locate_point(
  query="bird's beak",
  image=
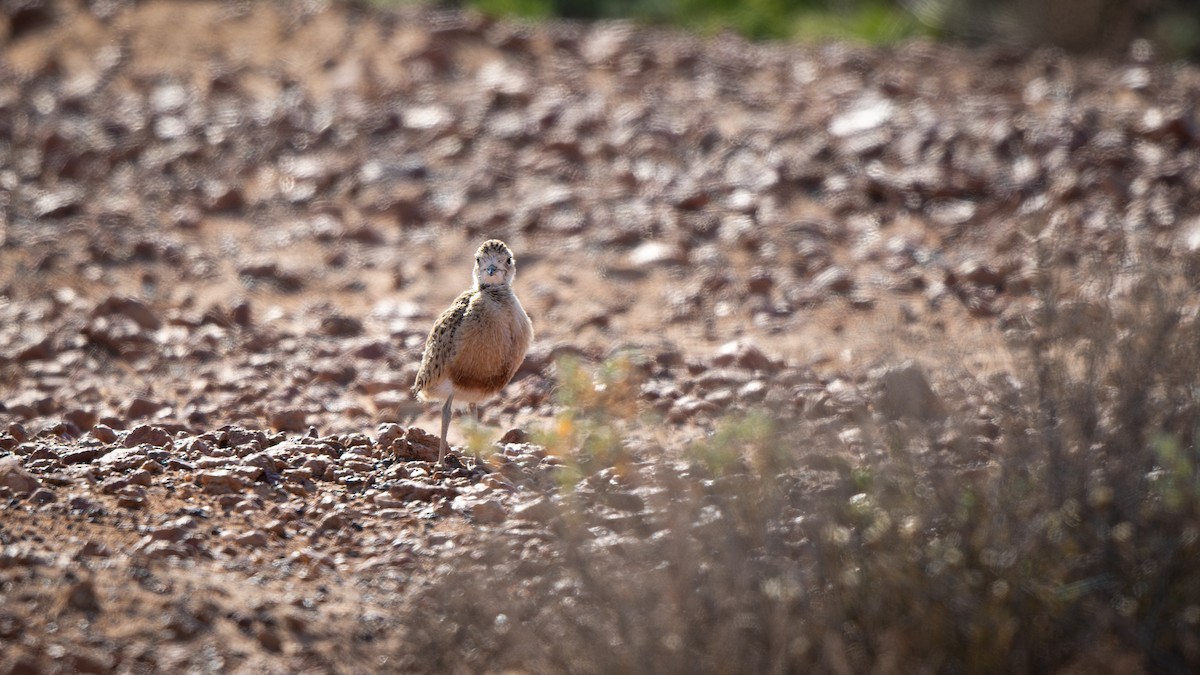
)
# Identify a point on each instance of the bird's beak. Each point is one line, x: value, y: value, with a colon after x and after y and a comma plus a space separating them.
x: 491, y: 270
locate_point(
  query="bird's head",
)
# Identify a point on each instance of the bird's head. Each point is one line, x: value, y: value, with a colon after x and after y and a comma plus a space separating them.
x: 494, y: 264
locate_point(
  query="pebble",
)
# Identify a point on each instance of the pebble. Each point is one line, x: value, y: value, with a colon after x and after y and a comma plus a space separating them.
x: 80, y: 456
x: 538, y: 510
x: 43, y: 496
x: 131, y: 497
x: 220, y: 481
x: 103, y: 434
x: 291, y: 419
x: 93, y: 549
x: 122, y: 459
x: 14, y: 476
x: 833, y: 279
x: 904, y: 391
x: 81, y: 596
x: 141, y: 408
x: 253, y: 539
x: 488, y: 512
x: 744, y: 354
x: 405, y: 490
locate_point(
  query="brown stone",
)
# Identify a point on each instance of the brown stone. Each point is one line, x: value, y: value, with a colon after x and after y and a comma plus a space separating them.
x: 151, y: 435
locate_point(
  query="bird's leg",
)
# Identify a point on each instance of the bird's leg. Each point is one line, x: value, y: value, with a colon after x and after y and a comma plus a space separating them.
x: 445, y: 427
x: 474, y: 410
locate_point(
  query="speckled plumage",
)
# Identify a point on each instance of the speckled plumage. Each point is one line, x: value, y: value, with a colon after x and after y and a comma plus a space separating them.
x: 476, y: 346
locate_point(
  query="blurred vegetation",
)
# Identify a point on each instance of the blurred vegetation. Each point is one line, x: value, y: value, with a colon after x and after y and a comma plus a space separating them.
x: 872, y: 20
x: 768, y: 547
x: 1093, y: 26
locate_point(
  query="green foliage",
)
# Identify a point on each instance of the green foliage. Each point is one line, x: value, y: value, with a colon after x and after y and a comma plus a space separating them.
x: 1107, y: 26
x: 528, y: 9
x: 867, y: 20
x: 736, y: 441
x: 596, y: 407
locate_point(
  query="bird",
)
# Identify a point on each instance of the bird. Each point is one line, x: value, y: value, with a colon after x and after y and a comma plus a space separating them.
x: 476, y: 345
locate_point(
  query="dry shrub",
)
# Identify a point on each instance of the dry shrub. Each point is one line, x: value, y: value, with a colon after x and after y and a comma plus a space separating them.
x: 1070, y: 547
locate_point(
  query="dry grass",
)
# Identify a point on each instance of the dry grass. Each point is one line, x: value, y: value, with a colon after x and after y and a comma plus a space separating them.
x: 1066, y: 542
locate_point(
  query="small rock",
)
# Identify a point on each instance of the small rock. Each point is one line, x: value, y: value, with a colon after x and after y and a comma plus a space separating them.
x: 540, y: 510
x: 717, y: 378
x: 861, y: 300
x: 171, y: 532
x: 81, y: 503
x: 140, y: 407
x: 158, y: 550
x: 131, y: 497
x: 152, y: 467
x: 389, y: 432
x: 238, y: 436
x: 833, y: 279
x: 42, y: 496
x: 332, y: 522
x: 952, y: 211
x: 104, y: 433
x: 753, y: 391
x: 14, y: 476
x: 979, y: 274
x: 269, y: 638
x: 624, y: 501
x: 410, y: 490
x: 83, y: 660
x: 83, y: 419
x: 385, y: 501
x: 689, y: 406
x: 144, y: 433
x: 285, y: 280
x: 42, y: 452
x: 515, y: 435
x: 290, y: 419
x: 114, y: 485
x: 418, y: 444
x: 11, y: 625
x: 340, y: 325
x: 142, y: 315
x: 219, y: 481
x: 93, y: 549
x: 25, y: 665
x: 18, y: 432
x: 654, y: 253
x: 264, y: 461
x: 488, y: 512
x: 867, y: 113
x: 122, y: 459
x: 253, y: 538
x: 904, y: 391
x: 760, y: 282
x: 113, y: 421
x: 80, y: 456
x: 82, y: 596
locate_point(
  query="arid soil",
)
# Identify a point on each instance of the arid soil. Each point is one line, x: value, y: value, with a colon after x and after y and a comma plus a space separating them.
x: 225, y: 229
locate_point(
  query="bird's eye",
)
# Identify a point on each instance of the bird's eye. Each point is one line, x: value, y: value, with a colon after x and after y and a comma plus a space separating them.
x: 510, y: 260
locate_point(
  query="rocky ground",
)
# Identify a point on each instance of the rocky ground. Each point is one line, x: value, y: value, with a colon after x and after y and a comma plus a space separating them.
x: 227, y: 227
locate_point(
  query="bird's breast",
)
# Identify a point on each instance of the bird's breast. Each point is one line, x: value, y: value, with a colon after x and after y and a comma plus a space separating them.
x: 492, y: 341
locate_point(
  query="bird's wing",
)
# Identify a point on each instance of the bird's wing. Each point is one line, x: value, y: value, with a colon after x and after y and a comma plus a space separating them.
x: 440, y: 344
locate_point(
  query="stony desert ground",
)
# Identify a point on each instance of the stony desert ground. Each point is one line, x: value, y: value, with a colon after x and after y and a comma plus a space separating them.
x: 226, y: 228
